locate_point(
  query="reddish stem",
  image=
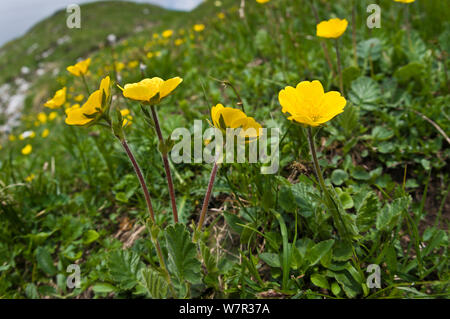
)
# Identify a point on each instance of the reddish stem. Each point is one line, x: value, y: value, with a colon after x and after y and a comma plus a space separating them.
x: 207, y: 196
x: 138, y: 171
x: 166, y: 165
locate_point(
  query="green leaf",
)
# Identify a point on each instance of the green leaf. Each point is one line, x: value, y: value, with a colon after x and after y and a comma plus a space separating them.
x: 360, y: 173
x: 286, y: 199
x: 380, y: 133
x: 350, y: 74
x: 409, y: 72
x: 286, y: 256
x: 367, y: 211
x: 233, y: 221
x: 124, y: 267
x: 45, y: 261
x: 318, y: 251
x: 273, y: 260
x: 370, y: 48
x: 342, y: 251
x: 346, y: 200
x: 31, y: 291
x: 90, y: 236
x: 365, y: 93
x: 339, y: 176
x: 103, y: 287
x: 320, y: 281
x: 154, y: 284
x: 182, y: 254
x: 386, y: 147
x: 335, y: 288
x: 390, y: 213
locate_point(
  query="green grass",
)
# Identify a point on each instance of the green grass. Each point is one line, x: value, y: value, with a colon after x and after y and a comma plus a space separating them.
x: 384, y: 160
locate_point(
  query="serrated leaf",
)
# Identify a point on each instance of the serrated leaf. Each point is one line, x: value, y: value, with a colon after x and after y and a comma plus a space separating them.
x: 182, y: 254
x: 388, y: 216
x: 154, y: 284
x: 31, y: 291
x: 367, y: 211
x: 124, y: 267
x: 370, y: 48
x: 365, y: 93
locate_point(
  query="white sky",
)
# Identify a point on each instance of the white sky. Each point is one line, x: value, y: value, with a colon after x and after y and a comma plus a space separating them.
x: 18, y: 16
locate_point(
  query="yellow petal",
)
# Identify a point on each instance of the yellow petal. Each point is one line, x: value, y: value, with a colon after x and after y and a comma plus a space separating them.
x: 143, y: 90
x: 93, y: 104
x: 76, y: 117
x: 168, y: 86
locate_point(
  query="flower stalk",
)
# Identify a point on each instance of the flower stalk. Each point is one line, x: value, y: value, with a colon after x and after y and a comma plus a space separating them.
x: 166, y: 164
x: 138, y: 171
x: 339, y: 66
x: 148, y: 200
x: 342, y: 229
x: 206, y: 200
x: 85, y: 84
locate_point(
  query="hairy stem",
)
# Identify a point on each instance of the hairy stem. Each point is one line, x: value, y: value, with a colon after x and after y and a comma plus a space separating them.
x: 166, y: 165
x: 338, y: 220
x: 322, y: 43
x: 138, y: 171
x: 339, y: 66
x: 85, y: 84
x: 207, y: 199
x: 148, y: 200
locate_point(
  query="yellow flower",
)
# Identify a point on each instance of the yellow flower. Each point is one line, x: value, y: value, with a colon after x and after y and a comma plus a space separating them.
x: 87, y: 113
x: 119, y: 66
x: 150, y: 55
x: 331, y: 29
x: 80, y: 68
x: 167, y: 34
x: 127, y: 120
x: 262, y: 1
x: 309, y: 104
x: 79, y: 98
x: 125, y: 112
x: 147, y: 90
x: 179, y: 42
x: 45, y: 133
x: 27, y: 149
x: 405, y: 1
x: 199, y: 27
x: 58, y: 99
x: 53, y: 115
x: 221, y: 15
x: 228, y: 117
x: 11, y: 138
x: 133, y: 64
x: 30, y: 178
x: 42, y: 117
